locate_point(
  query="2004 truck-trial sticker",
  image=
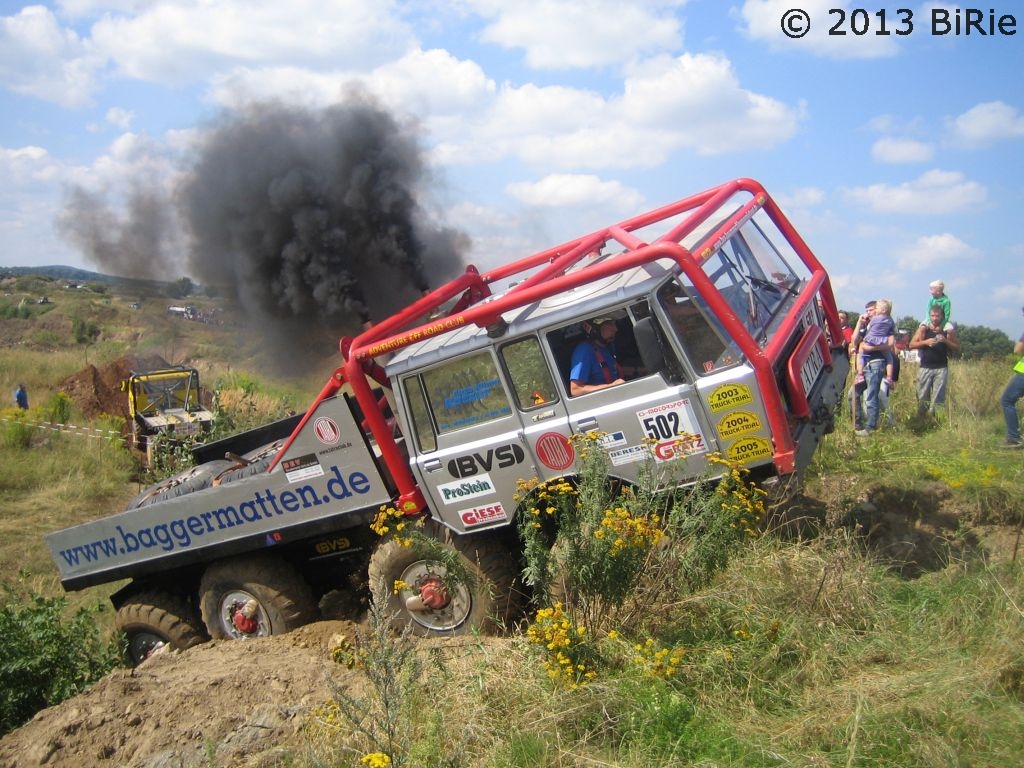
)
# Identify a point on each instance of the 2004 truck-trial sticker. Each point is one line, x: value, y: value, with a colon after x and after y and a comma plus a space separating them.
x: 673, y: 429
x: 738, y: 423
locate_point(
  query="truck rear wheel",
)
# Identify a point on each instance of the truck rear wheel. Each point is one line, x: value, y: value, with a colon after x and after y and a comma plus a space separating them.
x: 254, y: 597
x: 153, y: 619
x: 427, y: 605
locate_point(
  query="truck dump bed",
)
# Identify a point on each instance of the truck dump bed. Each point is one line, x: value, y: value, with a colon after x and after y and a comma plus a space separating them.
x: 327, y: 471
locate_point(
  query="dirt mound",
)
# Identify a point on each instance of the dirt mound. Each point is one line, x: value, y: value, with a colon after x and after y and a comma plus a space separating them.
x: 226, y: 703
x: 95, y: 391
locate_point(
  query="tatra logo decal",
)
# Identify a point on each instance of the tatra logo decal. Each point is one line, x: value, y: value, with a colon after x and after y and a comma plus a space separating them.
x: 326, y: 430
x: 501, y: 457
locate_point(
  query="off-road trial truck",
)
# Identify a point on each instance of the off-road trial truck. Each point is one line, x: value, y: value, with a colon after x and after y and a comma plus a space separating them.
x: 727, y: 316
x: 165, y: 401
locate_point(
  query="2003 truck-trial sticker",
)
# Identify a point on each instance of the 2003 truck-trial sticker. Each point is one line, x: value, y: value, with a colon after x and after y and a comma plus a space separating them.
x: 729, y: 396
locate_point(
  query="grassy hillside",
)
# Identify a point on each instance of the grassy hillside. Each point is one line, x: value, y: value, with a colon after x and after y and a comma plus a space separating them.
x: 878, y: 621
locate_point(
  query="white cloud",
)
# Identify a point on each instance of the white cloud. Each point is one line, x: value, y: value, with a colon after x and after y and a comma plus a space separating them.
x: 186, y: 41
x: 901, y: 151
x: 38, y: 58
x: 987, y: 123
x: 120, y: 118
x: 763, y: 21
x: 1007, y: 301
x: 692, y: 102
x: 935, y: 192
x: 803, y: 197
x: 561, y: 190
x: 26, y: 166
x: 583, y: 34
x: 933, y: 250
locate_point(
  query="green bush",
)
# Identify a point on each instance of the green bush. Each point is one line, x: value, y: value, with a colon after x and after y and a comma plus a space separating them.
x: 46, y: 655
x: 15, y: 433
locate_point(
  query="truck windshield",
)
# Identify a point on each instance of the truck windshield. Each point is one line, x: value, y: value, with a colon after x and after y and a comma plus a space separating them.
x: 753, y: 276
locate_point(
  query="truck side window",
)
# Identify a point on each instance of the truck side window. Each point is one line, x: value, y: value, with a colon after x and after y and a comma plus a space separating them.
x: 465, y: 392
x: 702, y: 343
x: 426, y: 438
x: 529, y: 373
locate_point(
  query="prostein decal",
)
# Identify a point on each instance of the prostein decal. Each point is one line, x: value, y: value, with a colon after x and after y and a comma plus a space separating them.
x: 457, y: 492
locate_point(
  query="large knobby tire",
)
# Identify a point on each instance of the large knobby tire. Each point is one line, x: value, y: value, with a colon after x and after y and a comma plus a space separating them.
x: 486, y: 605
x: 188, y: 481
x: 254, y: 596
x: 153, y: 619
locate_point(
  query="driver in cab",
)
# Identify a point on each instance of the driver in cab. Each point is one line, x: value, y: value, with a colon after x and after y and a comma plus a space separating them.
x: 594, y: 365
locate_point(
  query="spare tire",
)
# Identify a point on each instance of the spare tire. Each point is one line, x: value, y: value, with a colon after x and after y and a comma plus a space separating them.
x: 188, y: 481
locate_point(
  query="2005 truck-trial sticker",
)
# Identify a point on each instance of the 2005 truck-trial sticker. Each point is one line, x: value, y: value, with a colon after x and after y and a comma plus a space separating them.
x: 748, y: 449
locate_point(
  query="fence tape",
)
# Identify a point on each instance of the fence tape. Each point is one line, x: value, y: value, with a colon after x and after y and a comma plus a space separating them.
x: 70, y: 429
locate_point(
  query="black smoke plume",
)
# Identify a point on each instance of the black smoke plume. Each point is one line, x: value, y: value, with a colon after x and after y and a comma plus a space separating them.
x: 312, y: 220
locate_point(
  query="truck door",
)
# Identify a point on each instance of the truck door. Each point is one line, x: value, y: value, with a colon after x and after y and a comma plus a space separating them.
x: 470, y: 451
x: 540, y: 407
x: 655, y: 414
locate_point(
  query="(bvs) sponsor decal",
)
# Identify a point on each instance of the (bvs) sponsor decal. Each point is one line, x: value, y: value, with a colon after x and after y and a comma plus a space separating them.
x: 481, y: 515
x: 452, y: 493
x: 501, y: 457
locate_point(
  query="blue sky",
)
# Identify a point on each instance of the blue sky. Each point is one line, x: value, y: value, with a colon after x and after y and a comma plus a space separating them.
x: 898, y: 157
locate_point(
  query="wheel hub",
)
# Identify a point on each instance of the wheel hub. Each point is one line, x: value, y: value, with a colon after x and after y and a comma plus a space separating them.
x: 429, y: 601
x: 244, y: 617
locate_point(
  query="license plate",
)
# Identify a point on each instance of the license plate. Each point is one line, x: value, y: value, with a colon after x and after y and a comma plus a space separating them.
x: 811, y: 368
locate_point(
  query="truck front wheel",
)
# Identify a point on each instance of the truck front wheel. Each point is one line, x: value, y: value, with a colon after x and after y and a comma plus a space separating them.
x: 418, y: 592
x: 153, y: 619
x: 254, y: 597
